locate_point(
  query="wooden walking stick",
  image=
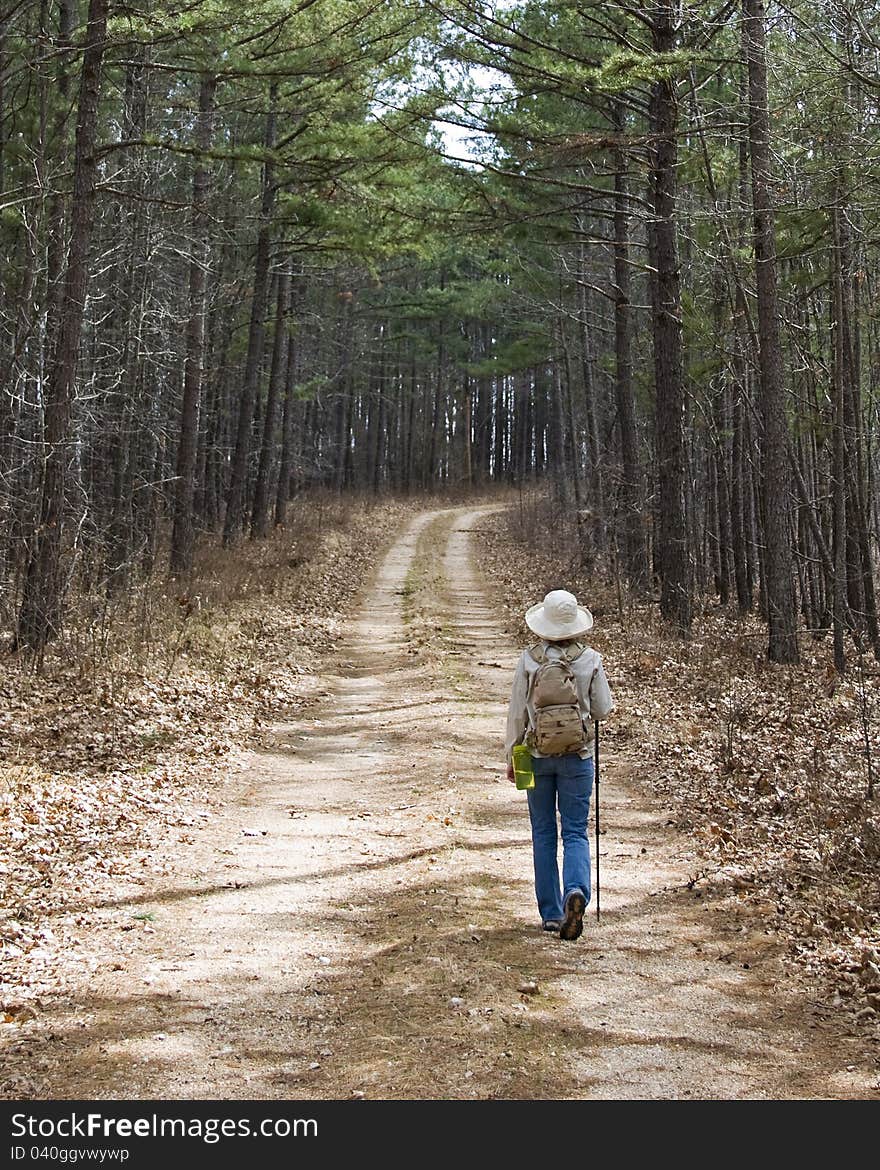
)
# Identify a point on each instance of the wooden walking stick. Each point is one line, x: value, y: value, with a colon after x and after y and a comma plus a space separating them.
x: 596, y: 769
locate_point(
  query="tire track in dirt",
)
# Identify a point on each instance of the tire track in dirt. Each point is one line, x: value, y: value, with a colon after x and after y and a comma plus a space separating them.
x: 360, y: 919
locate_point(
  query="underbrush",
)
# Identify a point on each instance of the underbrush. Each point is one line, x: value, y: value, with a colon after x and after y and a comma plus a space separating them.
x: 766, y: 767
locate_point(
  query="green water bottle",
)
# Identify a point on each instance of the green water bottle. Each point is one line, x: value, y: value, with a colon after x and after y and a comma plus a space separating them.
x: 522, y: 767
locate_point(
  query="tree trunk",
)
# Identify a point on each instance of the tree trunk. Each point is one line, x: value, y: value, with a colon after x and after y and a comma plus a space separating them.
x: 672, y: 534
x: 557, y: 460
x: 285, y: 470
x: 59, y: 146
x: 467, y: 430
x: 235, y: 498
x: 40, y: 615
x: 277, y: 373
x: 378, y: 411
x: 839, y: 541
x: 634, y: 551
x: 573, y: 447
x: 183, y: 530
x: 344, y: 394
x: 781, y: 609
x: 501, y: 421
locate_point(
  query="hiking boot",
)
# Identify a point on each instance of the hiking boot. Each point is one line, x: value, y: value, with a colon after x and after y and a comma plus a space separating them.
x: 552, y: 924
x: 572, y: 925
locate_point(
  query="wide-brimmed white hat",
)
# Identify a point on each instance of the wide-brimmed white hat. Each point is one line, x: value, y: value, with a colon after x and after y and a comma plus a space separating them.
x: 558, y: 617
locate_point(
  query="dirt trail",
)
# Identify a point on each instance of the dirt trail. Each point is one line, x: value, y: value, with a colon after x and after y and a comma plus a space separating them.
x: 360, y: 918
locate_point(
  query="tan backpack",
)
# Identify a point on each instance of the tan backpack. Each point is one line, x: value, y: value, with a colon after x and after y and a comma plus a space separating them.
x: 559, y: 724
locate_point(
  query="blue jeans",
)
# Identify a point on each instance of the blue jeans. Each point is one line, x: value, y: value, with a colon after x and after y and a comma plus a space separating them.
x: 566, y: 782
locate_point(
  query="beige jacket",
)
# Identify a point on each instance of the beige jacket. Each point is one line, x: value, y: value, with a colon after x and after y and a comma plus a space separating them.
x: 594, y: 695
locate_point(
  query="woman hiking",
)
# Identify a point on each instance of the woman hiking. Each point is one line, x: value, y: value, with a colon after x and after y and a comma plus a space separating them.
x: 559, y: 689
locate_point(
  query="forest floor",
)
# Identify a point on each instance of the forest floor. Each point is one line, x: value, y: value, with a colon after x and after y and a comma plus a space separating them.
x: 357, y: 918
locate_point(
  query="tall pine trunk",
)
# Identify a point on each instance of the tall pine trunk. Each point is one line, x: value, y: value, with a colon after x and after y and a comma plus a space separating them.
x: 39, y: 618
x: 238, y: 481
x: 285, y: 470
x: 780, y: 599
x: 183, y: 530
x: 634, y: 551
x: 671, y: 545
x: 277, y: 373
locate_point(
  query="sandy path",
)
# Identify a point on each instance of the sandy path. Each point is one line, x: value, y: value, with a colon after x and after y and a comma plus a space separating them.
x: 360, y: 917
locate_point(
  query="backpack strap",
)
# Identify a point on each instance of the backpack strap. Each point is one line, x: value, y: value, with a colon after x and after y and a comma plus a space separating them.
x: 573, y: 650
x: 570, y: 651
